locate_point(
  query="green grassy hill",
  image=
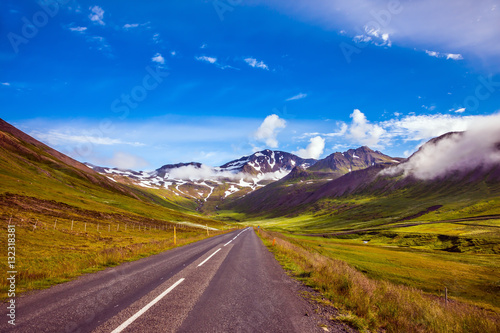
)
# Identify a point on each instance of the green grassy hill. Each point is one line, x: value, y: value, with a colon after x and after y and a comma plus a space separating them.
x: 36, y: 178
x: 71, y: 220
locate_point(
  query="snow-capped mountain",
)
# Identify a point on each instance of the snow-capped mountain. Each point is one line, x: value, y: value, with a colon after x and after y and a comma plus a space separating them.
x: 201, y: 182
x: 267, y: 163
x: 235, y: 179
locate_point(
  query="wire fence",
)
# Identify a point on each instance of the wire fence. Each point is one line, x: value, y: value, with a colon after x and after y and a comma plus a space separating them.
x: 82, y: 226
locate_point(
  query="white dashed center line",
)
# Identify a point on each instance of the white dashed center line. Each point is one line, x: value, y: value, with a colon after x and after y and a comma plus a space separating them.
x: 146, y: 308
x: 204, y: 261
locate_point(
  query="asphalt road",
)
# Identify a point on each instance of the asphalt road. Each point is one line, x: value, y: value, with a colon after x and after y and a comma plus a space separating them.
x: 227, y: 283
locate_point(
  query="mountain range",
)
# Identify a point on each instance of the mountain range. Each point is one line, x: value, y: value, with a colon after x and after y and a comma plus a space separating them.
x: 358, y: 184
x: 214, y: 186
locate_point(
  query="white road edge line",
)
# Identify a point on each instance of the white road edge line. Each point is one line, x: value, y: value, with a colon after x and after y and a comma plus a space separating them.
x: 228, y: 242
x: 204, y: 261
x: 146, y: 308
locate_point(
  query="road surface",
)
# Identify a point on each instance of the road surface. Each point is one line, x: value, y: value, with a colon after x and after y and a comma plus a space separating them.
x: 227, y: 283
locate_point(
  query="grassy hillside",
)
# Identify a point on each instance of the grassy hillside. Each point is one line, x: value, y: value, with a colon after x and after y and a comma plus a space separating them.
x: 393, y: 234
x: 361, y: 200
x: 51, y: 251
x: 376, y: 288
x: 36, y: 178
x: 71, y: 220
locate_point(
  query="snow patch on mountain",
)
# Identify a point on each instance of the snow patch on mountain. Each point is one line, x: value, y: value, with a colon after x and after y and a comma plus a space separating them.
x: 230, y: 191
x: 211, y: 190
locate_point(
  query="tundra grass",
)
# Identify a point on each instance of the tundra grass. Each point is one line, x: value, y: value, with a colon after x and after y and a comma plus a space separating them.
x: 369, y: 211
x: 375, y: 304
x: 53, y: 252
x: 468, y: 276
x: 48, y: 182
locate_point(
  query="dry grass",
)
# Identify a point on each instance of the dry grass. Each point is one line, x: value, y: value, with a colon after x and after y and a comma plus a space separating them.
x: 372, y: 305
x: 46, y: 256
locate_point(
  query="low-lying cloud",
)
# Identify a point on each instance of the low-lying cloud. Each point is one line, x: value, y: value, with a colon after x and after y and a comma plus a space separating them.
x: 127, y: 161
x: 205, y: 172
x: 477, y: 147
x: 191, y: 172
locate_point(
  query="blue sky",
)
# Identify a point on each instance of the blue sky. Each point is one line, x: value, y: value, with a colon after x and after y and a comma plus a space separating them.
x: 138, y: 85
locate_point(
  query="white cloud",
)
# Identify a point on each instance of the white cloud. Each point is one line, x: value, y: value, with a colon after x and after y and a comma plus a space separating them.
x: 424, y: 127
x: 444, y: 55
x: 410, y: 128
x: 361, y: 131
x: 78, y: 29
x: 5, y: 84
x: 96, y: 15
x: 477, y: 147
x: 160, y: 140
x: 459, y: 26
x: 191, y: 172
x: 158, y: 58
x: 123, y: 160
x: 313, y: 150
x: 296, y: 97
x: 54, y: 137
x: 156, y: 38
x: 256, y: 64
x: 341, y: 132
x: 432, y: 53
x: 130, y: 25
x: 373, y: 35
x: 430, y: 108
x: 454, y: 56
x: 211, y: 60
x: 96, y: 42
x: 461, y: 110
x: 204, y: 172
x: 268, y: 130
